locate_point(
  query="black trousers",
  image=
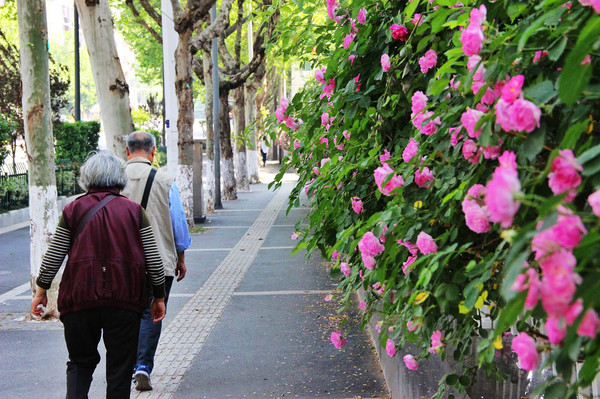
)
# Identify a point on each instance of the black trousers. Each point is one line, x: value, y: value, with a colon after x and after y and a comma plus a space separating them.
x: 119, y: 328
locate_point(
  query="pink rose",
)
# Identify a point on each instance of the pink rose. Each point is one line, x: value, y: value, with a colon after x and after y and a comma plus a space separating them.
x: 370, y: 245
x: 291, y: 123
x: 362, y: 305
x: 574, y: 311
x: 512, y: 90
x: 556, y: 328
x: 533, y: 295
x: 369, y: 261
x: 454, y: 135
x: 477, y: 16
x: 385, y: 156
x: 419, y: 102
x: 428, y: 61
x: 399, y: 32
x: 426, y: 244
x: 538, y: 56
x: 279, y: 114
x: 590, y: 324
x: 477, y: 220
x: 500, y: 193
x: 594, y: 201
x: 390, y: 348
x: 412, y: 326
x: 474, y: 197
x: 351, y: 58
x: 345, y: 268
x: 337, y: 340
x: 410, y: 150
x: 472, y: 39
x: 381, y: 175
x: 559, y: 282
x: 525, y: 115
x: 320, y: 75
x: 492, y: 152
x: 431, y: 126
x: 294, y: 236
x: 335, y: 254
x: 424, y: 178
x: 469, y: 120
x: 470, y: 151
x: 385, y: 62
x: 357, y: 205
x: 504, y: 115
x: 586, y: 60
x: 416, y: 19
x: 436, y: 342
x: 566, y: 233
x: 564, y: 174
x: 361, y: 17
x: 410, y: 362
x: 297, y: 144
x: 524, y: 346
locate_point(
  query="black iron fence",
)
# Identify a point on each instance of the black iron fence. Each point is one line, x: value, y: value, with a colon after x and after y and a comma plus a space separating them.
x: 14, y: 189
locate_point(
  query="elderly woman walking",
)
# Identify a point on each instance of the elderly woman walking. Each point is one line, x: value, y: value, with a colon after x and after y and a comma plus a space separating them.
x: 111, y: 250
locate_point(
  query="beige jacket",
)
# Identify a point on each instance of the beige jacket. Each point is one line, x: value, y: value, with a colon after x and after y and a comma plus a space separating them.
x: 137, y: 171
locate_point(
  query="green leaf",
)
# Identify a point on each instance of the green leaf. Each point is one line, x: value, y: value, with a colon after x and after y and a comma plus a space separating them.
x: 410, y: 9
x: 510, y: 313
x: 438, y: 86
x: 515, y: 10
x: 451, y: 379
x: 556, y: 51
x: 464, y: 380
x: 589, y: 155
x: 541, y: 92
x: 533, y: 145
x: 573, y: 133
x: 574, y: 76
x: 553, y: 14
x: 589, y: 369
x: 557, y: 390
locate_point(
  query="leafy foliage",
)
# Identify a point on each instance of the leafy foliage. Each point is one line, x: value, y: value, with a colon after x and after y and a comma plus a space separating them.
x: 74, y: 141
x: 470, y: 277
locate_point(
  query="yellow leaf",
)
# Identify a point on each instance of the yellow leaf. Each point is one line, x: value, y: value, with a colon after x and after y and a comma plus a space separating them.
x: 481, y: 300
x: 498, y: 343
x: 462, y: 309
x: 420, y: 298
x: 418, y: 204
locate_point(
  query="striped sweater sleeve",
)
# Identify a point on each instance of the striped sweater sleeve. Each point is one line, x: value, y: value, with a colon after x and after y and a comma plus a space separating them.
x: 154, y: 265
x: 55, y: 255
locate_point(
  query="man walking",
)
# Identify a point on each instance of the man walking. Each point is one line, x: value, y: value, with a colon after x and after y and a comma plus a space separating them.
x: 158, y: 194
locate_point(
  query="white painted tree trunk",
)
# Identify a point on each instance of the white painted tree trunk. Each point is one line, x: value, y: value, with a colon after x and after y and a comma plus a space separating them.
x: 241, y: 171
x: 37, y: 114
x: 241, y: 165
x: 111, y: 87
x: 185, y: 180
x: 228, y: 179
x: 209, y: 188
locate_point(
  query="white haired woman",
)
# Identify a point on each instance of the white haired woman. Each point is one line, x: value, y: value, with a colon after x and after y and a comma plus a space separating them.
x: 111, y: 250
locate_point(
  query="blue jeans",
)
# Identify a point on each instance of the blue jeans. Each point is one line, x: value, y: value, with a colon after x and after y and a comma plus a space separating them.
x: 150, y: 331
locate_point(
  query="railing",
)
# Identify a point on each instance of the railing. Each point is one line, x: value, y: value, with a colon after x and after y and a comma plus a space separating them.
x: 14, y: 190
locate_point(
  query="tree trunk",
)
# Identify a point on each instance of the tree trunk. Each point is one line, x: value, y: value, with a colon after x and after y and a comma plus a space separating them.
x: 111, y: 87
x: 37, y: 115
x: 185, y: 120
x: 241, y: 167
x: 209, y: 184
x: 227, y: 171
x: 251, y: 150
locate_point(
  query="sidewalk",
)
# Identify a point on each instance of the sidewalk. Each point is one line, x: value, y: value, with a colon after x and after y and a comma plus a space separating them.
x: 249, y: 320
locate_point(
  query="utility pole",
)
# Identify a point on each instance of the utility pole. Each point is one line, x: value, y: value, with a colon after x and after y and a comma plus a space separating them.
x: 216, y: 120
x: 77, y: 110
x: 170, y: 40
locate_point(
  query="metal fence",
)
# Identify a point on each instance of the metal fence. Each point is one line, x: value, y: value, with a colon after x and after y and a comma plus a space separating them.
x: 14, y: 189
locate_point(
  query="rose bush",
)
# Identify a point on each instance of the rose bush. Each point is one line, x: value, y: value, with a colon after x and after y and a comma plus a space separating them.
x: 463, y: 182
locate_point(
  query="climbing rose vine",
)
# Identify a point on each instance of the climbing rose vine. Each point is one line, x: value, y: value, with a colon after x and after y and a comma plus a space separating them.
x: 451, y: 155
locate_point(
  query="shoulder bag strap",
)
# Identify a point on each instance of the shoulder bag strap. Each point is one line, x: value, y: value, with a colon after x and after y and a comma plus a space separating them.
x: 91, y: 213
x: 149, y: 182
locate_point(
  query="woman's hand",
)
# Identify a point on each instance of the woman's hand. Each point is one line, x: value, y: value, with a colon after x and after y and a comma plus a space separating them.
x: 157, y: 309
x: 38, y: 305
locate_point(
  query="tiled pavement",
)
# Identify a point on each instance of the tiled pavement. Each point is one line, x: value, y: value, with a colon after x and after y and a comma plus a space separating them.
x: 248, y: 320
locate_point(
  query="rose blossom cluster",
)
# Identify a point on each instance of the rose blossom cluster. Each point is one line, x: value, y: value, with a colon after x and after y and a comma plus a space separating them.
x: 385, y: 62
x: 479, y: 81
x: 369, y: 247
x: 281, y: 117
x: 424, y: 177
x: 399, y: 32
x: 410, y: 150
x: 436, y: 342
x: 357, y: 205
x: 513, y: 112
x: 500, y: 192
x: 472, y: 37
x: 418, y: 115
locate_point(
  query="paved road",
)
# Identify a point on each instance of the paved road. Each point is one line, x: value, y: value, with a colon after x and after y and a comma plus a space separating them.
x: 249, y: 320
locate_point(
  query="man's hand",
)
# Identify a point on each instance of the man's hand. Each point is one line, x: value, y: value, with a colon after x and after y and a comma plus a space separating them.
x: 157, y: 309
x: 180, y: 269
x: 40, y: 301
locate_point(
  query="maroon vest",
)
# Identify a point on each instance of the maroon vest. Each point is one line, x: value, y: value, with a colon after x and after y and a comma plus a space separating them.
x: 106, y: 264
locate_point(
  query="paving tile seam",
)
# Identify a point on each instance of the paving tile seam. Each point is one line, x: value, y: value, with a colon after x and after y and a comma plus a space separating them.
x: 202, y: 312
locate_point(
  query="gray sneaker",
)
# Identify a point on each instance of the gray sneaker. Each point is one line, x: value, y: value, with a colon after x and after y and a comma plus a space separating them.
x: 142, y: 379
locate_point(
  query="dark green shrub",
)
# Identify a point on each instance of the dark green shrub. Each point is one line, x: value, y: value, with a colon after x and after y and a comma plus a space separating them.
x: 74, y: 141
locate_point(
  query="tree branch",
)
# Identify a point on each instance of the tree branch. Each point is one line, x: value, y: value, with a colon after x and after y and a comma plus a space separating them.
x: 141, y: 21
x: 203, y: 39
x: 151, y: 11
